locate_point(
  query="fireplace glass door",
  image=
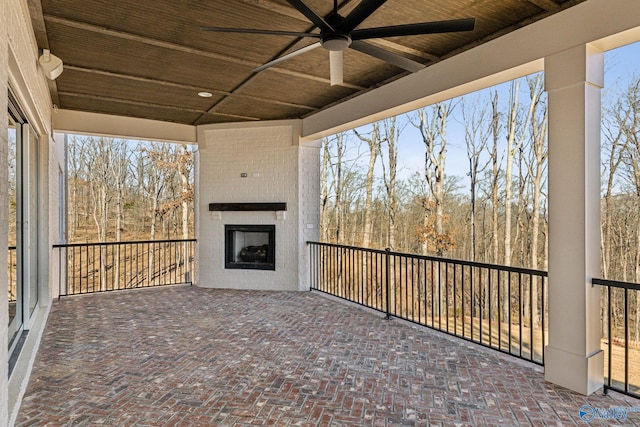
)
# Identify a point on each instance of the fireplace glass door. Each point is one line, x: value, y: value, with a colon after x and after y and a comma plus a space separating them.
x: 250, y: 247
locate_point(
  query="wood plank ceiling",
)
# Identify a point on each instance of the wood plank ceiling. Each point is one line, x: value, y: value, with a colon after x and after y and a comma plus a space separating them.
x: 149, y: 59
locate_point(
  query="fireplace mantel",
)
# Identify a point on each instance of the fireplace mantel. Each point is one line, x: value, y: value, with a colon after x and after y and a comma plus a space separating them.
x: 246, y: 207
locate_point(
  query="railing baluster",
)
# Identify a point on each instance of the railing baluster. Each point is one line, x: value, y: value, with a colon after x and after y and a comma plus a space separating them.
x: 432, y: 296
x: 531, y: 318
x: 610, y: 310
x: 520, y: 311
x: 499, y: 308
x: 462, y: 295
x: 480, y: 310
x: 455, y: 301
x: 626, y: 340
x: 543, y: 315
x: 446, y: 293
x: 489, y: 300
x: 405, y: 286
x: 439, y: 295
x: 426, y: 292
x: 387, y: 281
x: 510, y: 320
x: 472, y: 300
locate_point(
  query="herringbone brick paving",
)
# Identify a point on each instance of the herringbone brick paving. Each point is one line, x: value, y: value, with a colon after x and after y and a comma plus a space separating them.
x: 188, y: 356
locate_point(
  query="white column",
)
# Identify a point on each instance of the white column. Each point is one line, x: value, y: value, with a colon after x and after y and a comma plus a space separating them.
x: 573, y: 80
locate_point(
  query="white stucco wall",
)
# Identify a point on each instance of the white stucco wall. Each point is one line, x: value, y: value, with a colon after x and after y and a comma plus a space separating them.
x: 19, y: 70
x: 4, y: 121
x: 278, y: 170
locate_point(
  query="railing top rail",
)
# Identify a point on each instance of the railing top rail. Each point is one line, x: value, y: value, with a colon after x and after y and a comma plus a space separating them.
x: 615, y: 284
x: 335, y: 245
x: 441, y: 259
x: 70, y: 245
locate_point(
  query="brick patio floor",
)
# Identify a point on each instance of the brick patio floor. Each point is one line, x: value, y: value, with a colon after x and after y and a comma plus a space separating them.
x: 187, y: 356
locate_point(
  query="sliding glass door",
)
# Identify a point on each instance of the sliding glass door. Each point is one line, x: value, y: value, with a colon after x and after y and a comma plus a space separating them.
x: 23, y: 222
x: 15, y: 291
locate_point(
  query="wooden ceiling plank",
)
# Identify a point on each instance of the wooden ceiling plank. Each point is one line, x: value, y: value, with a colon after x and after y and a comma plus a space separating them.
x: 545, y: 4
x: 187, y: 87
x: 143, y: 79
x: 149, y: 104
x: 129, y: 101
x: 181, y: 48
x: 275, y: 7
x: 146, y: 40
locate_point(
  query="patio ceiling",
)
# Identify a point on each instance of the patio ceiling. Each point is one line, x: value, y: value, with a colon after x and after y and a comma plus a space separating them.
x: 149, y: 59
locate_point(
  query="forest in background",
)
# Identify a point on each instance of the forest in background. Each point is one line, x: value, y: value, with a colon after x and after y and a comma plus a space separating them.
x: 497, y: 213
x: 121, y: 190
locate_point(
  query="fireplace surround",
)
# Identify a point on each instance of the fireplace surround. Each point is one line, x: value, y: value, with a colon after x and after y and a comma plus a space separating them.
x: 256, y: 174
x: 250, y: 247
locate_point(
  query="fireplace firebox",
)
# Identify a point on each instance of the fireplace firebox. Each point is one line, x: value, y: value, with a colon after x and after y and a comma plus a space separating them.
x: 250, y: 247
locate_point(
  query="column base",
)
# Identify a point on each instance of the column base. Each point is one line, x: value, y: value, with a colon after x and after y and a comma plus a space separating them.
x: 578, y: 373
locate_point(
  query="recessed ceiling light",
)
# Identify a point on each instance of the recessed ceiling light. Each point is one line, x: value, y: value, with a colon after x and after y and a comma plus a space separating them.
x: 205, y: 94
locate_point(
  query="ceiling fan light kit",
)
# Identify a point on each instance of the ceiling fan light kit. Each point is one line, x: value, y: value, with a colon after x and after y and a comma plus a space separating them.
x: 338, y: 33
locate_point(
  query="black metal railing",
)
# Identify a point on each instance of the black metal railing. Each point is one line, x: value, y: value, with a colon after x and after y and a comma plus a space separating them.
x: 504, y: 308
x: 621, y: 335
x: 99, y: 267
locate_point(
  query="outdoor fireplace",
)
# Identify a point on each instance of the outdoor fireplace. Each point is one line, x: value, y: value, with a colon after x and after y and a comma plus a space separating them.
x: 252, y: 175
x: 250, y: 247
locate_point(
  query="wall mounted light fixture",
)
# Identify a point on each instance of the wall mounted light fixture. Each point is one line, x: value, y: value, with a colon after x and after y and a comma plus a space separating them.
x: 51, y: 65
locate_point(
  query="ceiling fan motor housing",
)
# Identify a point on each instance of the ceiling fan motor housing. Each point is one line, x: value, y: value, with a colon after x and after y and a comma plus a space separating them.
x: 335, y: 42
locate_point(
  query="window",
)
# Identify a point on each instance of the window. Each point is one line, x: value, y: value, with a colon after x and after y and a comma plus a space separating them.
x: 22, y: 208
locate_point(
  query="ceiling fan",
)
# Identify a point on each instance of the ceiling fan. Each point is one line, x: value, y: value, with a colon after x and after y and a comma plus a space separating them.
x: 338, y: 33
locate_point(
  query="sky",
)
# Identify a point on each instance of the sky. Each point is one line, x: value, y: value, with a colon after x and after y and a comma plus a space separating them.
x: 620, y: 65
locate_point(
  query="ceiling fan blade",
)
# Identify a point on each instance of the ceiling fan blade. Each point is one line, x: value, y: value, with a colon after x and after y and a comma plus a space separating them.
x: 385, y: 55
x: 336, y: 67
x: 435, y: 27
x: 359, y: 14
x: 255, y: 31
x: 287, y: 56
x: 317, y: 20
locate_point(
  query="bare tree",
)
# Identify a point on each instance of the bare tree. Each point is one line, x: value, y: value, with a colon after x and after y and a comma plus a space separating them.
x: 324, y: 190
x: 476, y: 136
x: 495, y: 174
x: 536, y: 168
x: 433, y: 129
x: 374, y: 142
x: 391, y: 135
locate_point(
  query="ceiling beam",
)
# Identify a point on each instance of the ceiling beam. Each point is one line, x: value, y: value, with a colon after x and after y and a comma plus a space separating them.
x: 384, y: 43
x: 40, y: 32
x: 195, y: 89
x: 545, y: 4
x: 186, y: 49
x: 149, y: 104
x: 37, y: 20
x: 87, y: 123
x: 272, y: 6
